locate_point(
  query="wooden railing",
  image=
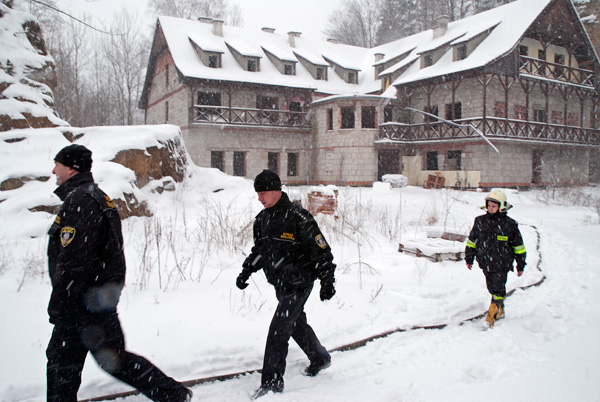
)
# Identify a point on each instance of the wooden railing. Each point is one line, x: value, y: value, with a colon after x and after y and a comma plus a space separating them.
x: 492, y: 128
x: 560, y: 72
x: 201, y: 114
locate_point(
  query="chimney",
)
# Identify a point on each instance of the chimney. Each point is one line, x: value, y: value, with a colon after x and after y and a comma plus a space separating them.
x: 379, y: 57
x: 292, y: 38
x: 333, y: 40
x: 442, y: 26
x: 217, y: 27
x: 267, y: 29
x: 206, y: 20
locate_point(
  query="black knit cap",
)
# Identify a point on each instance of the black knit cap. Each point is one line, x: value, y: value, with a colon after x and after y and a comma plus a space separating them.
x: 76, y: 157
x: 267, y: 180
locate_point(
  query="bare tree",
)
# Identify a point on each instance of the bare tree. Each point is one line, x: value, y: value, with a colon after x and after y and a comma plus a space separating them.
x: 192, y: 9
x: 356, y: 22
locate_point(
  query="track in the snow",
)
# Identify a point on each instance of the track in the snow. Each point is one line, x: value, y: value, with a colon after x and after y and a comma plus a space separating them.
x: 343, y: 348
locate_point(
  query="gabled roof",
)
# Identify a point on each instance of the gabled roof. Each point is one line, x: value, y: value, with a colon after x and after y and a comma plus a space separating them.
x: 501, y: 30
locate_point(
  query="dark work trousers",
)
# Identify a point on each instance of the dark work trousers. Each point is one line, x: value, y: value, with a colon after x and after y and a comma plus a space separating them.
x: 289, y: 321
x: 496, y: 282
x: 100, y: 334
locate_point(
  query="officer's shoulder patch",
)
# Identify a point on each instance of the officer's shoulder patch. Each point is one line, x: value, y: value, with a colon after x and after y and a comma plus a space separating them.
x: 67, y: 234
x: 301, y: 215
x: 320, y: 240
x: 109, y: 202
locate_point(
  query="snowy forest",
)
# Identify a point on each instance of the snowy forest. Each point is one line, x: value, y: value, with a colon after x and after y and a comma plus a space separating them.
x: 100, y: 69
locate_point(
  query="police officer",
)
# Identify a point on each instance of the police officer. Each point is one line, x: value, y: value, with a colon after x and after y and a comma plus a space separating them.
x: 87, y: 271
x: 291, y: 250
x: 495, y: 240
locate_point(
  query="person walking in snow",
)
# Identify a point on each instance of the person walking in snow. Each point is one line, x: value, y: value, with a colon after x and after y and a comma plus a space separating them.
x: 87, y: 272
x: 291, y: 250
x: 495, y: 241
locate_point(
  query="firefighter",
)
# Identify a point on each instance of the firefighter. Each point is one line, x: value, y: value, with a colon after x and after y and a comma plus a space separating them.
x: 496, y: 243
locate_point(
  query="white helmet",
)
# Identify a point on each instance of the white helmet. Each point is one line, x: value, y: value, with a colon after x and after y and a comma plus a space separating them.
x: 499, y: 197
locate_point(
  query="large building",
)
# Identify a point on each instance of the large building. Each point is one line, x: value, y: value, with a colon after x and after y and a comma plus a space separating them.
x: 503, y: 98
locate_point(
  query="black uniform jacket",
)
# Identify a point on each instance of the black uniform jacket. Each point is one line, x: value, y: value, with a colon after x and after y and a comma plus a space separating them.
x: 495, y: 240
x: 289, y: 247
x: 85, y: 252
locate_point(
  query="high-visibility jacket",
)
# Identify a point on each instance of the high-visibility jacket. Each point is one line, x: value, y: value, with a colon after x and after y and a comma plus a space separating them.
x: 495, y: 241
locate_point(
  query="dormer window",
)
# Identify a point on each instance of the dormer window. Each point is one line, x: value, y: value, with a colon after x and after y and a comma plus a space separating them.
x: 351, y: 78
x: 461, y: 52
x: 427, y: 60
x: 320, y: 73
x: 252, y: 65
x: 288, y: 69
x: 214, y: 61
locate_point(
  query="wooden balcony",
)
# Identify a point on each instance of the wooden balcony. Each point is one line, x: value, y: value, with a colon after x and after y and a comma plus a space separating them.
x: 559, y: 72
x: 201, y: 114
x: 493, y: 128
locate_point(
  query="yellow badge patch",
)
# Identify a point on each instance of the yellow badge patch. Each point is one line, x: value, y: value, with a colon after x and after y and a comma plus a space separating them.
x: 502, y: 238
x: 320, y: 241
x: 67, y: 234
x: 109, y: 202
x: 288, y: 236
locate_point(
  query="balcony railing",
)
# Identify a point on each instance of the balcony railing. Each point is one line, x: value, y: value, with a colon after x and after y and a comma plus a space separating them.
x: 201, y: 114
x: 492, y: 128
x: 554, y: 71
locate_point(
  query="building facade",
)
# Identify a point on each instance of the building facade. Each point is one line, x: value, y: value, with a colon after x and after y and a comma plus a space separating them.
x: 488, y: 101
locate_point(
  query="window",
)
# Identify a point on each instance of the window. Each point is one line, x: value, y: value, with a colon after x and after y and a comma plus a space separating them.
x: 500, y: 109
x: 273, y: 162
x: 432, y: 160
x: 209, y: 98
x: 239, y: 163
x: 523, y: 50
x: 288, y: 69
x: 539, y: 115
x: 453, y: 160
x: 454, y: 111
x: 251, y: 65
x: 427, y: 60
x: 167, y: 76
x: 329, y: 119
x: 347, y: 117
x: 461, y: 52
x: 351, y: 79
x: 368, y: 117
x: 320, y: 73
x: 558, y: 70
x: 217, y: 159
x: 434, y: 110
x: 542, y: 54
x: 213, y: 61
x: 267, y: 102
x: 388, y: 114
x: 166, y: 112
x: 292, y: 166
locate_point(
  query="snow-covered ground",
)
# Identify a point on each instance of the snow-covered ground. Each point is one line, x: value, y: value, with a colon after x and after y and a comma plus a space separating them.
x: 181, y: 309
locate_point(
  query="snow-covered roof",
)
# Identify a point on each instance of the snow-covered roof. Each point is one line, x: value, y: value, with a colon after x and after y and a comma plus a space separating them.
x: 503, y: 28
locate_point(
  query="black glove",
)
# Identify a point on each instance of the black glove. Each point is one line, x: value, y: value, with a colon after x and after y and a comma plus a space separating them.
x: 241, y: 281
x: 327, y: 291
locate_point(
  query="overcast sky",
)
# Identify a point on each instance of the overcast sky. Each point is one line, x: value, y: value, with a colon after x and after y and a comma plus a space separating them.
x: 307, y: 16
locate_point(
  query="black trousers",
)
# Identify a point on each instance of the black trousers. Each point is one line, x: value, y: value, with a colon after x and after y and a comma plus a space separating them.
x: 289, y: 321
x: 100, y: 334
x: 496, y: 282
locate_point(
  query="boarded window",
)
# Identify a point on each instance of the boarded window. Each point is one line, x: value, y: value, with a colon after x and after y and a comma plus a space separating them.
x: 368, y: 117
x: 500, y: 110
x: 217, y: 159
x: 432, y: 160
x: 454, y: 111
x: 239, y: 163
x: 292, y: 166
x: 329, y: 119
x: 461, y: 52
x: 347, y: 117
x: 453, y: 160
x: 273, y: 162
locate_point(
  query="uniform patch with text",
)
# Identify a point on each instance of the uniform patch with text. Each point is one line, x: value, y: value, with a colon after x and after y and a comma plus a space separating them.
x: 321, y: 241
x: 67, y: 234
x: 288, y: 236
